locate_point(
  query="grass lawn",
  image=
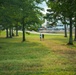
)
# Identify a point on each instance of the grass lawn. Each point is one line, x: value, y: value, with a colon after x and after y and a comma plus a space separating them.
x: 34, y: 57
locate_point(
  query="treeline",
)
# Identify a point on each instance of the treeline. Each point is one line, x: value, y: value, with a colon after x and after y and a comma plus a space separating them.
x: 20, y: 14
x: 65, y: 11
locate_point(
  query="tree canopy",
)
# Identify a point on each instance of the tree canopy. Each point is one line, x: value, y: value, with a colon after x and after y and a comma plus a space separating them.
x: 26, y: 12
x: 67, y: 9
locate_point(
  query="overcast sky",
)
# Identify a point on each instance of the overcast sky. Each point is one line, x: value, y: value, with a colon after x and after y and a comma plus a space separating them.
x: 43, y: 5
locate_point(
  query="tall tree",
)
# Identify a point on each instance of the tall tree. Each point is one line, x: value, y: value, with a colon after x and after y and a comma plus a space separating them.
x: 75, y: 29
x: 64, y: 7
x: 22, y: 9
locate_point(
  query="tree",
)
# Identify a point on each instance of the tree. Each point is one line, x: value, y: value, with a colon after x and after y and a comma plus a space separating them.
x: 66, y: 8
x: 75, y: 29
x: 54, y: 17
x: 24, y: 12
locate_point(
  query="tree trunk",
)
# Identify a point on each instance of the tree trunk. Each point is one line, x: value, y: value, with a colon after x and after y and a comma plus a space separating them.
x: 23, y: 29
x: 75, y: 34
x: 70, y: 33
x: 16, y: 30
x: 10, y: 32
x: 7, y: 33
x: 65, y: 30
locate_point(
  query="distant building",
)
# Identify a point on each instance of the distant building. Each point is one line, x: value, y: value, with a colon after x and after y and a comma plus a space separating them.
x: 56, y: 28
x: 59, y: 27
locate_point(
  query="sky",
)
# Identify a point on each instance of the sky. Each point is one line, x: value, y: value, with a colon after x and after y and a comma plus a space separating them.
x: 43, y: 5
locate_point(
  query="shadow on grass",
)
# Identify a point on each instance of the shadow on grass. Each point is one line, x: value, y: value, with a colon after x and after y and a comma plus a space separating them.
x: 33, y: 53
x: 6, y: 42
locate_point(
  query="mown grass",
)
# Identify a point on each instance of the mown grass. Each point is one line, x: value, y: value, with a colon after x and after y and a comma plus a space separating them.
x: 34, y: 57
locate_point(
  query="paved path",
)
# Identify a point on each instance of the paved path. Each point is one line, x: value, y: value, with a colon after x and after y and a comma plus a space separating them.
x: 33, y: 32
